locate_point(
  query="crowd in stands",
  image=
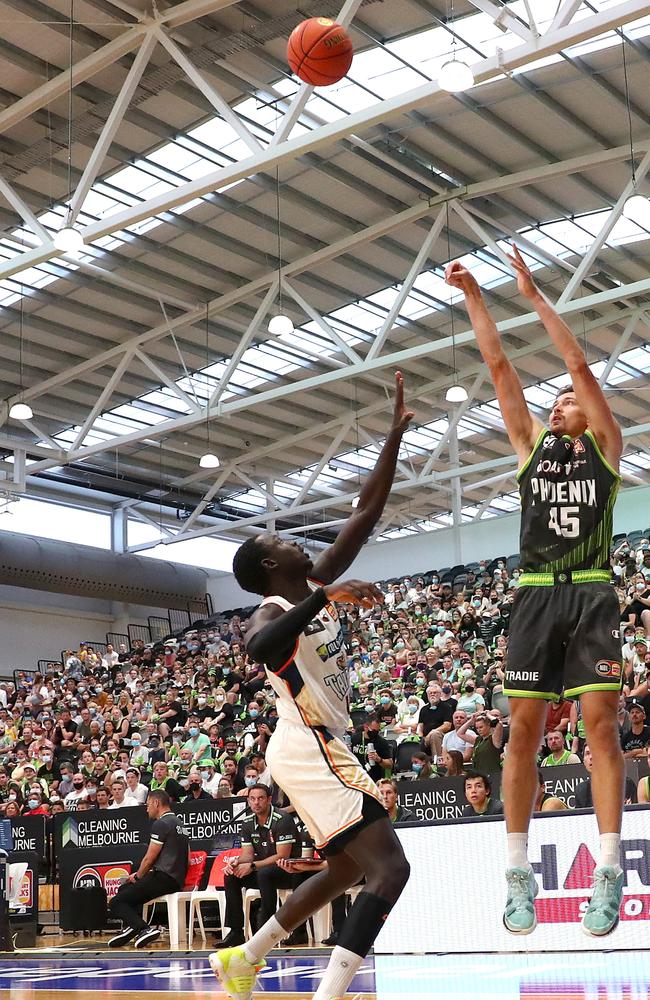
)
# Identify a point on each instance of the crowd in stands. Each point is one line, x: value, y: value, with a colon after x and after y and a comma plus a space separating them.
x: 194, y: 715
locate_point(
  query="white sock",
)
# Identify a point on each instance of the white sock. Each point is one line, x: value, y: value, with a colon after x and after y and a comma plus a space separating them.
x: 518, y: 850
x: 610, y: 850
x: 341, y: 970
x: 266, y: 938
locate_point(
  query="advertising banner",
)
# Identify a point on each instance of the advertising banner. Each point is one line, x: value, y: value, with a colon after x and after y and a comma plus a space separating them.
x: 443, y: 798
x: 457, y: 890
x: 103, y: 847
x: 29, y: 834
x: 211, y: 824
x: 97, y: 848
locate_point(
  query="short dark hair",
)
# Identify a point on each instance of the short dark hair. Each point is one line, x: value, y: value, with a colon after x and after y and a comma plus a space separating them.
x: 471, y: 775
x: 161, y: 796
x: 262, y: 787
x: 563, y: 391
x: 247, y: 566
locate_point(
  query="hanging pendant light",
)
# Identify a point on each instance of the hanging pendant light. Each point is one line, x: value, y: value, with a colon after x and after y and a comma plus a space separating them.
x: 280, y: 324
x: 20, y: 410
x: 637, y: 207
x: 456, y: 393
x: 209, y: 460
x: 455, y: 76
x: 69, y: 239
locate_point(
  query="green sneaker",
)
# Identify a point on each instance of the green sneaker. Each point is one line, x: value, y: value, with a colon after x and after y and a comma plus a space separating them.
x: 601, y: 916
x: 519, y: 915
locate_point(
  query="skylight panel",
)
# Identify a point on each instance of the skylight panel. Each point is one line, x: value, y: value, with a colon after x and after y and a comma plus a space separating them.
x: 167, y: 399
x: 138, y: 415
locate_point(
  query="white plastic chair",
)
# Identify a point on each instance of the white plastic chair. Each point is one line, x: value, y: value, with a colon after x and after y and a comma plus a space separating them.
x: 16, y: 874
x: 249, y: 896
x: 176, y: 916
x: 319, y: 925
x: 209, y: 895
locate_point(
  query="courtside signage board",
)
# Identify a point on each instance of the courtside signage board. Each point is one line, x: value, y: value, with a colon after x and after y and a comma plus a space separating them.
x: 454, y: 899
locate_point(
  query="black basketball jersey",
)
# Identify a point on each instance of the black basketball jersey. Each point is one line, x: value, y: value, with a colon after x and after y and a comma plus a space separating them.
x: 567, y: 491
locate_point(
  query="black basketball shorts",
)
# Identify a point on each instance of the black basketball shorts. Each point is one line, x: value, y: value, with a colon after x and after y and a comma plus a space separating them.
x: 564, y: 641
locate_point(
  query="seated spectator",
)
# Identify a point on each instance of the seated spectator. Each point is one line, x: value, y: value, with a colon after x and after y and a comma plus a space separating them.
x: 558, y: 717
x: 225, y: 788
x: 134, y: 787
x: 453, y: 763
x: 583, y: 794
x: 388, y: 790
x: 470, y: 700
x: 371, y: 749
x: 102, y: 797
x: 559, y: 754
x: 139, y: 756
x: 434, y: 720
x: 250, y: 779
x: 197, y: 742
x: 34, y: 804
x: 452, y: 741
x: 478, y: 789
x: 195, y: 789
x: 209, y: 775
x: 635, y: 741
x: 162, y: 780
x: 119, y: 795
x: 544, y: 801
x: 78, y: 793
x: 422, y: 766
x: 484, y: 731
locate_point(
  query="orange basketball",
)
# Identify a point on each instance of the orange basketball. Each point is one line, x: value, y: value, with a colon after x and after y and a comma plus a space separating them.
x: 320, y: 51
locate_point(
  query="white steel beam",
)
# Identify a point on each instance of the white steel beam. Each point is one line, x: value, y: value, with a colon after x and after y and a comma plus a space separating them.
x: 453, y: 424
x: 395, y: 360
x: 565, y: 14
x: 322, y: 323
x: 104, y: 57
x: 331, y: 450
x: 210, y: 93
x: 504, y: 18
x: 231, y: 367
x: 101, y: 401
x: 621, y: 344
x: 25, y: 212
x: 112, y: 124
x: 475, y: 226
x: 166, y: 380
x: 324, y: 136
x: 407, y: 285
x: 585, y: 265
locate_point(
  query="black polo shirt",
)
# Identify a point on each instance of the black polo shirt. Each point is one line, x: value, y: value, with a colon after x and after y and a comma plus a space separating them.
x: 264, y: 838
x: 433, y: 716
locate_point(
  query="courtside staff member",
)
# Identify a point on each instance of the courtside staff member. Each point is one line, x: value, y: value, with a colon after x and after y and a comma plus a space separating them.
x: 163, y: 869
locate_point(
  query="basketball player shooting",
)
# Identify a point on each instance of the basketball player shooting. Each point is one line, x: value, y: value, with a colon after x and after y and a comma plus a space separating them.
x: 565, y: 618
x: 297, y: 635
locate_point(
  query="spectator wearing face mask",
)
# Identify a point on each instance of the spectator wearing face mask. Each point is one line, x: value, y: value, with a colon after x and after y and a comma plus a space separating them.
x: 78, y: 792
x: 34, y: 804
x: 139, y: 755
x: 637, y: 609
x: 198, y: 742
x: 209, y: 775
x: 470, y: 700
x: 250, y: 780
x: 421, y: 766
x: 195, y: 789
x: 443, y: 636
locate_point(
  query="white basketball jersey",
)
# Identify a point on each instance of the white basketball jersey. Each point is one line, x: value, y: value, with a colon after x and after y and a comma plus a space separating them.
x: 313, y: 685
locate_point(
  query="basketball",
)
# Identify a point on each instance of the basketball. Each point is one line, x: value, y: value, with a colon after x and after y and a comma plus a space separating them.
x: 320, y: 51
